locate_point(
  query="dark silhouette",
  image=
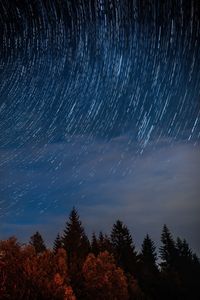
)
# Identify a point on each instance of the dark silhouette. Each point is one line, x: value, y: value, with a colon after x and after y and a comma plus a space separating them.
x: 37, y: 242
x: 57, y: 243
x: 108, y: 269
x: 77, y: 246
x: 148, y: 273
x: 123, y: 247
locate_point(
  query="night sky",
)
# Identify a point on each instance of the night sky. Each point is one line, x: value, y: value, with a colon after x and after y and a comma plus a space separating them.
x: 100, y: 108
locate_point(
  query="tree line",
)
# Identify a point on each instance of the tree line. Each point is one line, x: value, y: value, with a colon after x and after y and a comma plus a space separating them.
x: 107, y: 267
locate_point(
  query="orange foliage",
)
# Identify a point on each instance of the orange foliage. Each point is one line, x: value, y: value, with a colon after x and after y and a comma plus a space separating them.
x: 103, y: 279
x: 27, y: 275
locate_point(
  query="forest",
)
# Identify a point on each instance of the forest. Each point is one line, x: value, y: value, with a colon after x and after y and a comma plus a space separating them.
x: 106, y: 267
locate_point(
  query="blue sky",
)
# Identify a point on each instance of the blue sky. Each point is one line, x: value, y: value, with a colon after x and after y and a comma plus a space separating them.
x: 99, y: 108
x: 107, y: 182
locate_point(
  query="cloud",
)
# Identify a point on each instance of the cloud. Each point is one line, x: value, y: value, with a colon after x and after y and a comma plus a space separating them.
x: 105, y: 181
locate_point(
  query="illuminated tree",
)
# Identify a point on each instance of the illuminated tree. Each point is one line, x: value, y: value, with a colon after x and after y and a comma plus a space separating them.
x: 49, y: 274
x: 103, y: 279
x: 10, y: 261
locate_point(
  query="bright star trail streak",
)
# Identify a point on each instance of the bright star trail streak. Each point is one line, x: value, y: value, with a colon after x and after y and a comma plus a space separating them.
x: 86, y: 84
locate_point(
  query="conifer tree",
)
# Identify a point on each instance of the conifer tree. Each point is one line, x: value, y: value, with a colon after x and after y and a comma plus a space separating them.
x: 183, y: 249
x: 148, y: 253
x: 77, y: 246
x: 104, y: 243
x: 168, y: 250
x: 148, y: 274
x: 94, y: 245
x: 37, y: 242
x: 57, y: 243
x: 74, y: 238
x: 123, y: 247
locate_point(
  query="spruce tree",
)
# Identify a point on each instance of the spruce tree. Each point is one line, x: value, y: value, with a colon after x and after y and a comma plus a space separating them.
x: 184, y: 249
x: 123, y: 247
x: 57, y: 243
x: 77, y: 246
x: 104, y: 243
x: 148, y: 253
x: 75, y: 241
x: 148, y: 274
x: 168, y: 250
x: 37, y: 242
x: 94, y: 245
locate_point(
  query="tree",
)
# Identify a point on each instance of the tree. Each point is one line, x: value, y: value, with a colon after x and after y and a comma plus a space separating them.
x: 187, y: 271
x: 48, y: 273
x: 37, y: 242
x: 74, y: 239
x: 168, y: 250
x: 148, y: 253
x: 94, y: 245
x: 77, y: 246
x: 101, y: 244
x: 170, y: 280
x: 104, y: 243
x: 57, y: 243
x: 103, y: 279
x: 12, y: 279
x: 124, y: 250
x: 148, y: 271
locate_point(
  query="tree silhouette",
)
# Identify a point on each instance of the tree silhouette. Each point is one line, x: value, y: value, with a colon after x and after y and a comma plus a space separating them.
x: 124, y: 250
x: 37, y: 242
x: 57, y: 243
x: 94, y: 245
x: 148, y: 271
x: 104, y: 243
x: 31, y: 272
x: 74, y: 239
x: 148, y: 253
x: 187, y: 272
x: 77, y: 246
x: 168, y: 250
x: 170, y: 279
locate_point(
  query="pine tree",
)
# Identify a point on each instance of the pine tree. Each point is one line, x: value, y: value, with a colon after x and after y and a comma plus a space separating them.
x: 77, y: 246
x: 148, y: 272
x: 74, y: 238
x: 123, y: 247
x: 104, y: 243
x: 183, y: 249
x: 57, y: 243
x: 37, y: 242
x: 186, y: 269
x: 148, y: 253
x: 94, y: 245
x: 168, y: 251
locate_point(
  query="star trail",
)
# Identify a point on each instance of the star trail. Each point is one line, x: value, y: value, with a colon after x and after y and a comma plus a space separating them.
x: 95, y: 96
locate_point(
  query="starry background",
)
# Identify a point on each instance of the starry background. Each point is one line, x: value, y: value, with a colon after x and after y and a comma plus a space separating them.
x: 100, y: 108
